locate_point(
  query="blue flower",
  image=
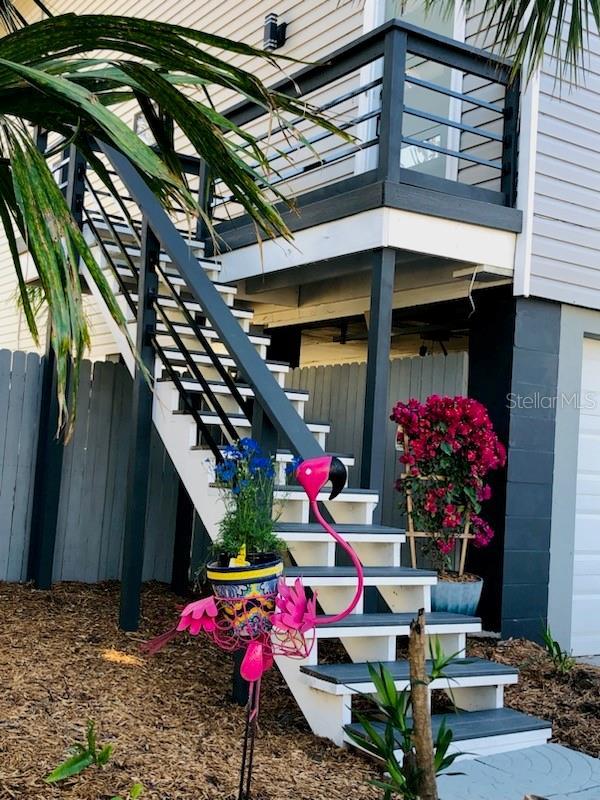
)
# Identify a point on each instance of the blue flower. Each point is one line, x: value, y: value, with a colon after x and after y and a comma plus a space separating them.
x: 249, y: 447
x: 293, y: 466
x: 226, y: 470
x: 261, y: 464
x: 232, y: 452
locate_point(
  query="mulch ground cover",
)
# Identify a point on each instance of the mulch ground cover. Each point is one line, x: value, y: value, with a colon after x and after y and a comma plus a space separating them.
x: 63, y: 662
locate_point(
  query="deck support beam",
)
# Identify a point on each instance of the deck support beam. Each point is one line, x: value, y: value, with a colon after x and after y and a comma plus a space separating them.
x: 378, y: 371
x: 141, y: 432
x: 50, y: 446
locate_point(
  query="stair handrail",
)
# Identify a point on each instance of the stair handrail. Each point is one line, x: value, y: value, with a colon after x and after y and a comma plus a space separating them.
x: 210, y: 396
x: 270, y: 396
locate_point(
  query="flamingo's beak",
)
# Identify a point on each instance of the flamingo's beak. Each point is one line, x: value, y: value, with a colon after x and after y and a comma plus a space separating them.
x: 314, y: 473
x: 338, y: 475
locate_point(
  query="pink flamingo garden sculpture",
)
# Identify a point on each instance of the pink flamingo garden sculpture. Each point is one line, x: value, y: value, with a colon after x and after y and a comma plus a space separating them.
x: 288, y: 627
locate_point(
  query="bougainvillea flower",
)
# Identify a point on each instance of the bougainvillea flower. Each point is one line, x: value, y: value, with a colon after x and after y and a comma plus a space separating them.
x: 199, y: 616
x: 295, y: 611
x: 257, y: 660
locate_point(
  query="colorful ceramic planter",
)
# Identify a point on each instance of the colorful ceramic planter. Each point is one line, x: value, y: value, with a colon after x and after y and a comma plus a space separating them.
x: 247, y: 594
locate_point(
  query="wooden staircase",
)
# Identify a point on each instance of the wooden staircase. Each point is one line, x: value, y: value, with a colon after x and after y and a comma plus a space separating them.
x: 190, y: 368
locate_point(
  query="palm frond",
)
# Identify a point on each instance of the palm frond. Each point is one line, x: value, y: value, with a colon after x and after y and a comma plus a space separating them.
x: 51, y: 76
x: 527, y: 31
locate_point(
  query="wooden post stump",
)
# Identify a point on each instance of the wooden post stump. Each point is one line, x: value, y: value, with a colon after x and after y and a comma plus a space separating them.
x: 423, y: 737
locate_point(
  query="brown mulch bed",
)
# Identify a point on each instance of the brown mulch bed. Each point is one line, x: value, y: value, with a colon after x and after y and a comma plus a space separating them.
x: 571, y: 702
x: 63, y: 661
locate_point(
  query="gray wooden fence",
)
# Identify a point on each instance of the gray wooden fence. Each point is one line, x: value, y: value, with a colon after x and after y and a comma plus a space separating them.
x: 337, y: 395
x: 91, y: 514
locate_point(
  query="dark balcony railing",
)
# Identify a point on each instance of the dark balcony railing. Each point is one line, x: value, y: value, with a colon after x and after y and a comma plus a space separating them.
x: 424, y: 112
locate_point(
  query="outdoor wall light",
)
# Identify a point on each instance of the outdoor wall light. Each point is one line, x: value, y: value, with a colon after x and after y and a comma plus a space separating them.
x: 274, y: 32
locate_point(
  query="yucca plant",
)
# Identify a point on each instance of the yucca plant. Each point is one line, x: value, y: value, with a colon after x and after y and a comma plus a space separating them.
x: 52, y: 77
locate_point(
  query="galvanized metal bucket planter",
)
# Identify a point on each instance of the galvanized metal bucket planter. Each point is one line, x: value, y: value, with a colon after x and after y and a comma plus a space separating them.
x: 247, y: 594
x: 457, y: 597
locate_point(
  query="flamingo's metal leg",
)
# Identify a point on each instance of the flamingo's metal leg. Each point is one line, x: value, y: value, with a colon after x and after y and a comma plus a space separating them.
x: 249, y: 740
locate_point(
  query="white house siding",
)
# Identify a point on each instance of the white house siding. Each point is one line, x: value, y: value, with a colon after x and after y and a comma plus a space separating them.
x: 315, y: 29
x: 566, y: 227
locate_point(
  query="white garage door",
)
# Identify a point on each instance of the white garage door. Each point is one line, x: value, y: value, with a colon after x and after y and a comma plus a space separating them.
x: 585, y: 639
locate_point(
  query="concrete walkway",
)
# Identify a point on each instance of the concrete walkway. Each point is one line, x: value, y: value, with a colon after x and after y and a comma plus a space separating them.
x: 549, y: 771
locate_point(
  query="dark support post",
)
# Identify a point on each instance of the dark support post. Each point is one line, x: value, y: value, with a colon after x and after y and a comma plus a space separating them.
x: 182, y: 548
x: 141, y: 430
x: 510, y: 143
x: 49, y: 458
x: 392, y: 105
x: 378, y: 369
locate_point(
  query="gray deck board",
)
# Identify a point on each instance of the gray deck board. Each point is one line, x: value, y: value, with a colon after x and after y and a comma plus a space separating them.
x: 313, y: 527
x: 348, y: 572
x: 359, y: 672
x: 383, y: 620
x: 467, y: 725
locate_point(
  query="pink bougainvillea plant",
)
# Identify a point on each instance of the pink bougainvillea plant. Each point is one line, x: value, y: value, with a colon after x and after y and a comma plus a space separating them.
x: 448, y: 448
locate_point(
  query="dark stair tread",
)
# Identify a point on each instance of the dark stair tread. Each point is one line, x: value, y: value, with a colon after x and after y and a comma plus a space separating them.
x: 358, y: 672
x: 370, y: 572
x: 467, y: 725
x: 314, y: 527
x: 385, y: 619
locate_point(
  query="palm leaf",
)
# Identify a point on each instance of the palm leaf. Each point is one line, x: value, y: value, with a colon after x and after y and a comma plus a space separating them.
x: 48, y: 78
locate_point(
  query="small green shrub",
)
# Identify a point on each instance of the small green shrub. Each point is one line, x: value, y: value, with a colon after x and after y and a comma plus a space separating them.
x: 83, y: 755
x: 136, y: 791
x: 392, y: 707
x: 562, y: 661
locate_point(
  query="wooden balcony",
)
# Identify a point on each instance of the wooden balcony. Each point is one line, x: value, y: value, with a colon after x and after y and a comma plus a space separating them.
x: 435, y: 131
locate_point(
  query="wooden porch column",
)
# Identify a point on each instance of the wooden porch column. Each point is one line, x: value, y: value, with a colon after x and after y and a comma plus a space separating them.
x: 378, y: 369
x: 141, y: 430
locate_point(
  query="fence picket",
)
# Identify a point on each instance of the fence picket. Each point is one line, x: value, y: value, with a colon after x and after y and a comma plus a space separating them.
x: 94, y: 478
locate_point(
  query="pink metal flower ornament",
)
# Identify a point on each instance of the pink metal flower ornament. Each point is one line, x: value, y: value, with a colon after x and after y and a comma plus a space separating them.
x: 200, y: 616
x: 295, y: 611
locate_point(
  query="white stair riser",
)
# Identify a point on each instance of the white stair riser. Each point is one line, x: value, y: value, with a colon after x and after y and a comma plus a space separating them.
x: 334, y: 599
x: 379, y: 554
x: 227, y: 294
x: 208, y: 370
x: 175, y: 314
x: 229, y: 405
x: 190, y: 341
x: 297, y: 509
x: 407, y: 598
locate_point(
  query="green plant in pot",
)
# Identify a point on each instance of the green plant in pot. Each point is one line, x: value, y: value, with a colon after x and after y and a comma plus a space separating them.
x: 247, y: 555
x: 448, y: 449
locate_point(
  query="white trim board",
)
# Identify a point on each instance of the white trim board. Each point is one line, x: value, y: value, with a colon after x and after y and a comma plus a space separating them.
x: 577, y: 324
x: 368, y: 230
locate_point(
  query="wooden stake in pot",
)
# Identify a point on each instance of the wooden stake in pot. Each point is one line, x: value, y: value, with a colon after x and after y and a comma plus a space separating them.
x: 422, y: 735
